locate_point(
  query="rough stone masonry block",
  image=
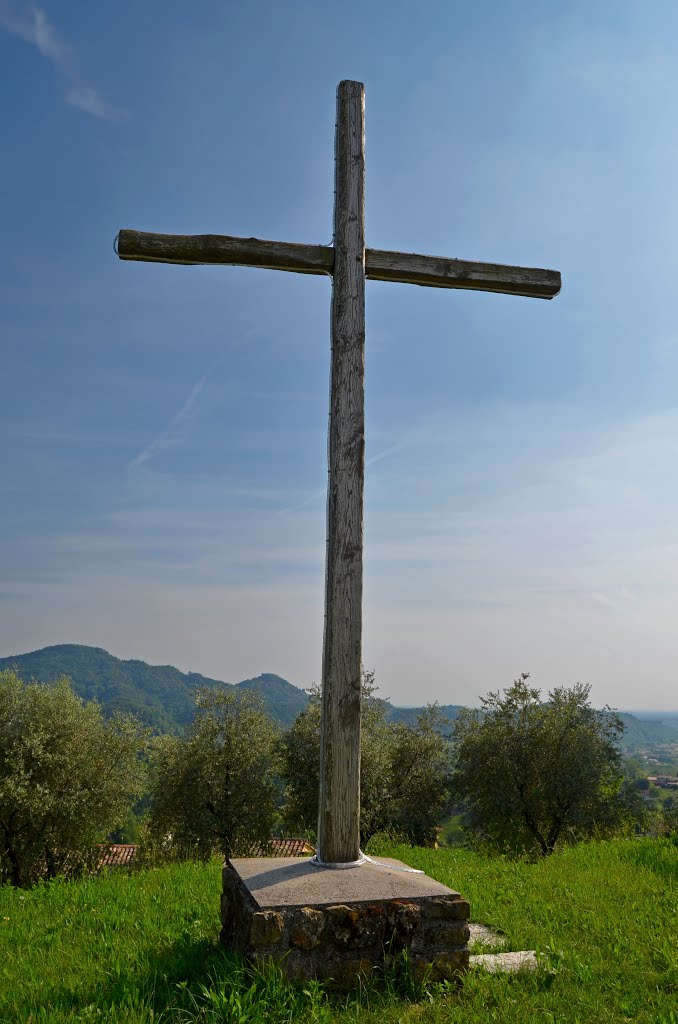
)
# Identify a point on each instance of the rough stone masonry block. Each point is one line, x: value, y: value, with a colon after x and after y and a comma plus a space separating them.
x: 340, y: 925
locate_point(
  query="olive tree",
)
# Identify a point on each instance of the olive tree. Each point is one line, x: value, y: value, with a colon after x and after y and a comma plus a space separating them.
x: 67, y: 776
x: 404, y: 770
x: 532, y: 773
x: 216, y: 788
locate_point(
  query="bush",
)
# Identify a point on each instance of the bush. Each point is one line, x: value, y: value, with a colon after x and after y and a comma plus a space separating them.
x: 67, y: 777
x: 216, y: 789
x: 533, y: 774
x: 404, y: 771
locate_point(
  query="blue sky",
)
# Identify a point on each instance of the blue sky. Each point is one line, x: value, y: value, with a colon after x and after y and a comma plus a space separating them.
x: 163, y: 428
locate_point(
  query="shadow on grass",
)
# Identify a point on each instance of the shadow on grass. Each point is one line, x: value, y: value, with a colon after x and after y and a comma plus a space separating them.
x: 193, y: 980
x: 165, y: 981
x: 198, y: 980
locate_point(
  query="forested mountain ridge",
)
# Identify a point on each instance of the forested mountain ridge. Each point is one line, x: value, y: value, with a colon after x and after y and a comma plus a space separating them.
x: 283, y: 700
x: 638, y: 735
x: 160, y: 695
x: 163, y: 697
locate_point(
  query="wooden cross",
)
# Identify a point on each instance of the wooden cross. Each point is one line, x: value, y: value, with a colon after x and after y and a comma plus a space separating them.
x: 348, y: 262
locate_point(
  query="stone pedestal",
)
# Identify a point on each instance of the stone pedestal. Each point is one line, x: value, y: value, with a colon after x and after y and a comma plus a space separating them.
x: 340, y: 925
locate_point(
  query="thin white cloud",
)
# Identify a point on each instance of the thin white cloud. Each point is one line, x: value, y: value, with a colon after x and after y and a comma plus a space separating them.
x: 88, y: 99
x: 166, y: 438
x: 33, y: 28
x: 45, y: 38
x: 32, y: 25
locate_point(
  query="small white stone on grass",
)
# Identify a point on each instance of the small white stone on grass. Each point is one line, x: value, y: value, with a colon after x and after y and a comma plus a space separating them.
x: 526, y: 959
x: 484, y: 936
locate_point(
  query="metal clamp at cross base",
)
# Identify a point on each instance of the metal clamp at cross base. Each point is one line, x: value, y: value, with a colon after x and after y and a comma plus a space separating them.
x: 362, y: 859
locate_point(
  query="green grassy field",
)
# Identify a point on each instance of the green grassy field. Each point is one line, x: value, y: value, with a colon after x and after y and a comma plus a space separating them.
x: 144, y: 948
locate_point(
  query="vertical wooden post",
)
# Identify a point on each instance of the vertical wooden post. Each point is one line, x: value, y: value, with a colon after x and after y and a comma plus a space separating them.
x: 339, y: 809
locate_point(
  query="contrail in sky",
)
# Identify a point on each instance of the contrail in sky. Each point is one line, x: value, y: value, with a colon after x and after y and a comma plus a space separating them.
x: 383, y: 454
x: 321, y: 494
x: 161, y: 441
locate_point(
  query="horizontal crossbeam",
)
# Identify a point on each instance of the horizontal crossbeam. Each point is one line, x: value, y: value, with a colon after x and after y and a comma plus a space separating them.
x: 380, y: 264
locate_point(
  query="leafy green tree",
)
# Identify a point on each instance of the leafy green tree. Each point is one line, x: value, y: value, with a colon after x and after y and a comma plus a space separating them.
x: 67, y: 777
x: 533, y: 774
x: 404, y: 770
x: 216, y: 789
x: 131, y: 831
x: 669, y: 817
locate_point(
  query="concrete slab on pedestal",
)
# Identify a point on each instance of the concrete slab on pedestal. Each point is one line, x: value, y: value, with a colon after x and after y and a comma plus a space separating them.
x: 296, y: 881
x: 341, y: 924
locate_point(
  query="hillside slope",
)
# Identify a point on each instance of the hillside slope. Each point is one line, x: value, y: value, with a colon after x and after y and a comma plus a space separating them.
x: 160, y: 695
x: 639, y: 735
x: 163, y: 697
x: 409, y: 715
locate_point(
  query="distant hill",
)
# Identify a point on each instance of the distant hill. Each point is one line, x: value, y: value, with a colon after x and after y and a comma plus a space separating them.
x: 163, y: 697
x: 283, y: 700
x: 160, y: 695
x: 663, y: 717
x: 639, y: 735
x: 409, y: 715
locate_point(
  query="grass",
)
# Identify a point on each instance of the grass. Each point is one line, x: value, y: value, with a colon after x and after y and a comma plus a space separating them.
x: 144, y: 948
x: 452, y: 833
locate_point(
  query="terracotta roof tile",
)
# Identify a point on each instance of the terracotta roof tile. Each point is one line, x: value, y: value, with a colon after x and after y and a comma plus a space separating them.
x: 129, y: 855
x: 275, y: 847
x: 117, y: 855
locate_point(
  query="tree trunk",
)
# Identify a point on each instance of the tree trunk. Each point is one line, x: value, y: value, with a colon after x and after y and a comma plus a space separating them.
x: 50, y: 863
x: 17, y: 878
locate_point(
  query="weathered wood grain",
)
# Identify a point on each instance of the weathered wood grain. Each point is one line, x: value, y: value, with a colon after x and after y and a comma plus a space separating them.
x: 440, y: 272
x: 380, y: 264
x: 224, y: 249
x: 339, y: 808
